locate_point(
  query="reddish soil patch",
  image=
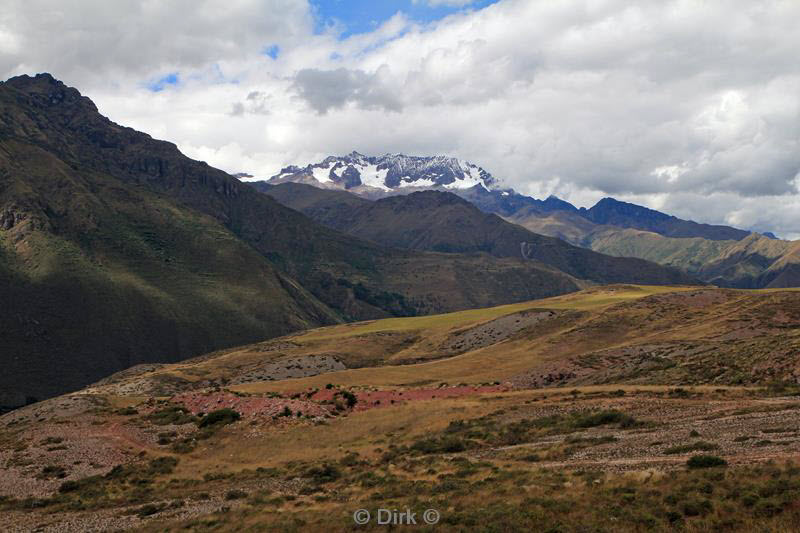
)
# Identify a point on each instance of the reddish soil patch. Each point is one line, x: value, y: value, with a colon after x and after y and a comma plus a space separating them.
x: 247, y: 406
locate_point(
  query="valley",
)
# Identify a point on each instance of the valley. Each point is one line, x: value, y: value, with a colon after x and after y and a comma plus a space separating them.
x: 598, y: 394
x: 312, y: 266
x: 116, y: 250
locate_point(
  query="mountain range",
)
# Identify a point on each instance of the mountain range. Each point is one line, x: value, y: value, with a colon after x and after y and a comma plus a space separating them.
x: 443, y: 222
x: 722, y: 255
x: 116, y: 249
x: 376, y: 177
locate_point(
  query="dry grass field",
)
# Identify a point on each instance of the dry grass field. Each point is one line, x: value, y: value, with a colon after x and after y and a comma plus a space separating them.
x: 622, y: 408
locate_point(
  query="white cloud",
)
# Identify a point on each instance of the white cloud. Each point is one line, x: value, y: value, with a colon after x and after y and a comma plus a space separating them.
x: 676, y: 104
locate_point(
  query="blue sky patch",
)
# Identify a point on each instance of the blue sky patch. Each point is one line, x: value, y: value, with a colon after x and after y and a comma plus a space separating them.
x: 363, y: 16
x: 160, y: 84
x: 272, y: 51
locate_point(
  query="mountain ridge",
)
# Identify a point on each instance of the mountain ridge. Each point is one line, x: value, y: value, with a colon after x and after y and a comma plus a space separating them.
x: 624, y: 229
x: 444, y: 222
x: 375, y: 177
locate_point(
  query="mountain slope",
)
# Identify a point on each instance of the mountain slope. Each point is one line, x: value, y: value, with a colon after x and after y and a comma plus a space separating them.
x: 440, y: 221
x: 96, y: 276
x: 609, y: 211
x: 317, y: 257
x: 756, y: 261
x: 116, y: 249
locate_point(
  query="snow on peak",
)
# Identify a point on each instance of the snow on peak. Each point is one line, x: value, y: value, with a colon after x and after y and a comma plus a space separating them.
x: 390, y: 172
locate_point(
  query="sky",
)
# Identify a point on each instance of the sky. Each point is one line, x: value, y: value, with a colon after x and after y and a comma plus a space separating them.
x: 690, y: 107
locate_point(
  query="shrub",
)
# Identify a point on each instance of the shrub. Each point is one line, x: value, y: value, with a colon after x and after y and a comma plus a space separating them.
x: 705, y: 461
x: 175, y: 414
x: 163, y: 465
x: 235, y: 494
x: 696, y: 507
x: 324, y: 474
x: 766, y: 508
x: 148, y: 510
x: 603, y: 418
x: 53, y: 471
x: 443, y: 445
x: 351, y: 459
x: 220, y: 417
x: 349, y: 398
x: 184, y: 446
x: 69, y: 486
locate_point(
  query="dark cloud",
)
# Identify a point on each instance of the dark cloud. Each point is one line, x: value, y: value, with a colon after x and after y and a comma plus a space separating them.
x: 330, y: 89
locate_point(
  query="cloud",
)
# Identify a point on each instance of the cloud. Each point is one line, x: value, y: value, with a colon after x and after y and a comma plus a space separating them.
x: 691, y: 107
x: 88, y: 39
x: 329, y: 89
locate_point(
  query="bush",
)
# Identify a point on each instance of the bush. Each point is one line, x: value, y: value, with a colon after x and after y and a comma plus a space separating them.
x: 176, y: 414
x: 603, y: 418
x: 184, y: 446
x: 443, y: 445
x: 220, y: 417
x: 767, y: 508
x: 148, y: 510
x: 348, y: 397
x: 351, y: 459
x: 69, y: 486
x: 324, y: 474
x: 163, y: 465
x: 696, y: 507
x: 53, y: 471
x: 705, y: 461
x: 235, y: 494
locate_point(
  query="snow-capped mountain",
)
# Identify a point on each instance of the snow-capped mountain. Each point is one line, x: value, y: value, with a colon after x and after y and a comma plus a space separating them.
x: 389, y: 174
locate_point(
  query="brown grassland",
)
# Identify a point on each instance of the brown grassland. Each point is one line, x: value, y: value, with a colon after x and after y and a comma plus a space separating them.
x: 620, y: 408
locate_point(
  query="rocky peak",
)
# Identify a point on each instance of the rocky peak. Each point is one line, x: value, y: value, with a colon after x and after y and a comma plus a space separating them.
x: 388, y: 174
x: 45, y: 90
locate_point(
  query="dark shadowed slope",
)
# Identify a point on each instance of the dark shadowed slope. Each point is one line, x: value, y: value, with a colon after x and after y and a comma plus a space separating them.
x: 97, y: 274
x: 625, y: 215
